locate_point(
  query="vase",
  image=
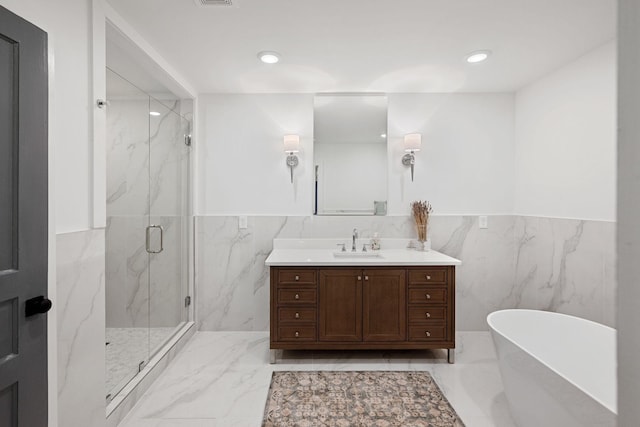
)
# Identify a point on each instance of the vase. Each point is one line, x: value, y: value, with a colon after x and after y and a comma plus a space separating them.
x: 423, y: 241
x: 422, y: 232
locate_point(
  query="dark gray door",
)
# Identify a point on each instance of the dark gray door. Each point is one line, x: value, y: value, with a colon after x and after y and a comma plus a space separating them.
x: 23, y: 223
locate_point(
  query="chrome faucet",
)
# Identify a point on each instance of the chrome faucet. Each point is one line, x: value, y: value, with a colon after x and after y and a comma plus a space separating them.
x: 354, y: 237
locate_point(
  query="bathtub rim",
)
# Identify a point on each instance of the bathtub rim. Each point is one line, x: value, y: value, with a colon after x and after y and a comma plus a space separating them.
x: 611, y: 407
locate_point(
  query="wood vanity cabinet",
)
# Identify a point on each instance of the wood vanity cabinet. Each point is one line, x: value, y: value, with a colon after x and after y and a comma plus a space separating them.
x: 384, y: 306
x: 357, y: 305
x: 340, y: 305
x: 363, y: 308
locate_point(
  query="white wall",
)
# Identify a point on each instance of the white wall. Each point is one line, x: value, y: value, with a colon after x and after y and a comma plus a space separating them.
x: 547, y: 151
x: 566, y: 140
x: 241, y: 161
x: 465, y: 166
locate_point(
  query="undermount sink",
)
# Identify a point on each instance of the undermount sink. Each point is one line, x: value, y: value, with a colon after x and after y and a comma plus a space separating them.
x: 340, y: 254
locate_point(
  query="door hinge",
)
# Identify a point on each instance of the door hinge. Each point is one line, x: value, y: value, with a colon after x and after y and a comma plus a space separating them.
x: 187, y: 140
x: 141, y: 366
x: 187, y: 301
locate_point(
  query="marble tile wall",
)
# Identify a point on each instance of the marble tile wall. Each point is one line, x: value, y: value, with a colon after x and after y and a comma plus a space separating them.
x: 567, y: 266
x: 81, y: 328
x: 518, y: 262
x: 128, y: 157
x: 127, y: 272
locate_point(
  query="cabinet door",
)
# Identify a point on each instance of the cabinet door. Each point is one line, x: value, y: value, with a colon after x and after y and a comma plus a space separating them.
x: 340, y: 305
x: 384, y: 305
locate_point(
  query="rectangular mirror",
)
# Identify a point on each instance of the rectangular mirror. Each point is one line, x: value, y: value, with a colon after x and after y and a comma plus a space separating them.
x: 350, y: 154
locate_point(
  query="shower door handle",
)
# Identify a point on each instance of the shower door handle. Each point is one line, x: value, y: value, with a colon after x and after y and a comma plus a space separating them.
x: 148, y: 244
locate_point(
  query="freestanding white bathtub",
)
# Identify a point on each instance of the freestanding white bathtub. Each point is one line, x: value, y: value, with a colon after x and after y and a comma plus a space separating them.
x: 557, y: 370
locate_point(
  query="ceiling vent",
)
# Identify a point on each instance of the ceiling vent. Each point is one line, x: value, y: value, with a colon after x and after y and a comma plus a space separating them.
x: 225, y: 3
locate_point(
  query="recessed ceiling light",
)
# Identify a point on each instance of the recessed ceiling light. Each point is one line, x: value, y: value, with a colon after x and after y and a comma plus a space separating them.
x: 269, y: 57
x: 154, y: 113
x: 478, y: 56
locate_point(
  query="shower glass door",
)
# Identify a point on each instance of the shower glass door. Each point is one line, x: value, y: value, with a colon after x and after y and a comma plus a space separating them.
x: 147, y: 227
x: 127, y: 261
x: 168, y: 209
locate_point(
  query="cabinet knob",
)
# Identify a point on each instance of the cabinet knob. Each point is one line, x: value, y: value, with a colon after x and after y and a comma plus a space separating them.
x: 297, y: 315
x: 428, y: 277
x: 297, y: 278
x: 366, y: 277
x: 297, y: 296
x: 427, y: 296
x: 359, y: 277
x: 297, y: 334
x: 428, y: 314
x: 427, y: 333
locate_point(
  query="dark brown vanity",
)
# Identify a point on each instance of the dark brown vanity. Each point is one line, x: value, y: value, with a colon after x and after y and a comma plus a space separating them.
x: 365, y: 307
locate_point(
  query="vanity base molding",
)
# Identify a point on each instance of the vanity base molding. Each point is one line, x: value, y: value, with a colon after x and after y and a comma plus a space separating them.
x: 363, y: 308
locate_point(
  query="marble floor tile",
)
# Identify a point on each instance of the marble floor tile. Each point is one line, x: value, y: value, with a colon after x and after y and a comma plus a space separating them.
x: 222, y: 379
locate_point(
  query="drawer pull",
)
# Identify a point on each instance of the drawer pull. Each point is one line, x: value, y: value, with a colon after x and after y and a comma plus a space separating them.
x: 427, y: 333
x: 366, y: 277
x: 297, y: 315
x: 428, y: 277
x: 297, y: 278
x: 297, y: 296
x: 426, y: 295
x: 297, y: 334
x: 428, y: 314
x: 359, y: 277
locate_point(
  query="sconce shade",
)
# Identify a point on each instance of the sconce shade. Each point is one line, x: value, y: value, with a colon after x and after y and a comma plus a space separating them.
x: 291, y: 143
x: 412, y: 142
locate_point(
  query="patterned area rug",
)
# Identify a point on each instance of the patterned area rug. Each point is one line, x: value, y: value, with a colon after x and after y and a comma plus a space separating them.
x: 345, y: 399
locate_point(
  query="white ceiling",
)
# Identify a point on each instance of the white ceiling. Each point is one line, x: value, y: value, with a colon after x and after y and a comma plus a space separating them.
x: 370, y: 45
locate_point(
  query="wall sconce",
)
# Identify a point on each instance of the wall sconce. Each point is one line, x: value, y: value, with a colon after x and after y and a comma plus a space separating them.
x: 292, y: 145
x: 412, y: 143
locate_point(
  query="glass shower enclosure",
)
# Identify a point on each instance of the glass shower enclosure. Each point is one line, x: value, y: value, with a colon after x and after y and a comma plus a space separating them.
x: 147, y: 266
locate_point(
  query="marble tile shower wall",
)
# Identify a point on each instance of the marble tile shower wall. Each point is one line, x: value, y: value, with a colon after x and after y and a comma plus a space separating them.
x: 143, y: 289
x: 146, y: 184
x: 518, y: 262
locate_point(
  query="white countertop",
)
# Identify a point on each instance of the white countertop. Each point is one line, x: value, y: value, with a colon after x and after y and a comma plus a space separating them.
x: 320, y: 252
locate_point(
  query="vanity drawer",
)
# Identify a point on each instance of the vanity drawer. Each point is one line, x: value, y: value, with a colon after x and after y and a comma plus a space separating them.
x: 428, y: 276
x: 296, y: 315
x: 426, y: 314
x: 427, y: 295
x: 297, y: 296
x: 296, y: 333
x: 296, y: 276
x: 427, y: 333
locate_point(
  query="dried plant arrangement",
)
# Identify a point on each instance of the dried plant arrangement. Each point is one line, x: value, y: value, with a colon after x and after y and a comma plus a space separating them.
x: 421, y: 211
